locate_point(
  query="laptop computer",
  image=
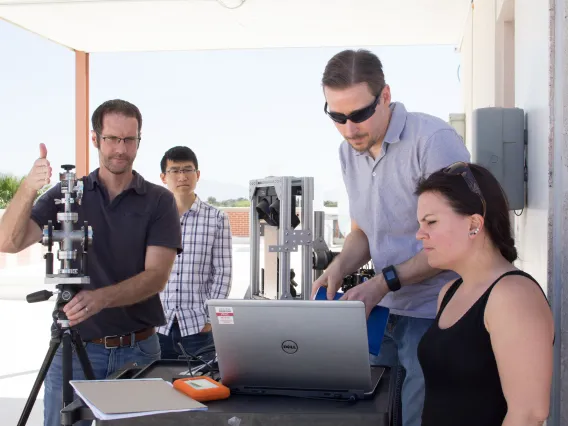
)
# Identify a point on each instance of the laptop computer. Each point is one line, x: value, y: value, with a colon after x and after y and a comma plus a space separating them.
x: 296, y: 348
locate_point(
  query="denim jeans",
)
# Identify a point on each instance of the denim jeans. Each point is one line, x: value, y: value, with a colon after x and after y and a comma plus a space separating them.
x: 191, y: 344
x: 104, y: 363
x: 399, y: 348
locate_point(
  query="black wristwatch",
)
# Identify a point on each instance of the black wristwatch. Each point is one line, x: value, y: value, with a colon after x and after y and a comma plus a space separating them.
x: 391, y: 278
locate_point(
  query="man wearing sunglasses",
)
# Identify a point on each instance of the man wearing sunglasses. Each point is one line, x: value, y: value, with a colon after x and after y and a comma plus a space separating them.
x: 385, y: 151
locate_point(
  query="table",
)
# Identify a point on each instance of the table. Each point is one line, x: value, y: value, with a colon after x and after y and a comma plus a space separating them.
x: 271, y: 411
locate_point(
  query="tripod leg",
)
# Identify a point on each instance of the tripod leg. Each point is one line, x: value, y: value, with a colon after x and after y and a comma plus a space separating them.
x: 71, y: 338
x: 53, y: 345
x: 67, y: 368
x: 83, y: 357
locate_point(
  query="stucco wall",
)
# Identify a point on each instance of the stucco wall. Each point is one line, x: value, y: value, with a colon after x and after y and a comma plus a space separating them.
x: 537, y: 31
x: 532, y: 68
x: 558, y: 206
x: 486, y: 79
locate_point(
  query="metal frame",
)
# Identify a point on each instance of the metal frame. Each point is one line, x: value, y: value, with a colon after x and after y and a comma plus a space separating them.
x: 288, y: 238
x: 319, y: 237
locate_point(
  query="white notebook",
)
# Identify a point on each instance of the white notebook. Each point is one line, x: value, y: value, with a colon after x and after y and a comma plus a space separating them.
x: 119, y: 399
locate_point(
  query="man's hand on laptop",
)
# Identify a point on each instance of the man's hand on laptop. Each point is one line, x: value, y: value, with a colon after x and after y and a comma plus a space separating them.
x: 370, y: 292
x: 331, y: 278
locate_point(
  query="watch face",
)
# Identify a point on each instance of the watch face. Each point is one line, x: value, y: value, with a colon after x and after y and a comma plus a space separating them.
x: 390, y: 275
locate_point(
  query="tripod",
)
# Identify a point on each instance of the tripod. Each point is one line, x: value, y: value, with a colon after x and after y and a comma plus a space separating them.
x: 61, y: 334
x: 68, y: 282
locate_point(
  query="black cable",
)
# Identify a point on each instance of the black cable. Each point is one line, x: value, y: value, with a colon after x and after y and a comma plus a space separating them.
x: 189, y: 367
x: 206, y: 349
x: 189, y: 354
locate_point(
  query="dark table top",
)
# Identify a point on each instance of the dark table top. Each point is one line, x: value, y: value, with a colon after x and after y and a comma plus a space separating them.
x: 273, y: 410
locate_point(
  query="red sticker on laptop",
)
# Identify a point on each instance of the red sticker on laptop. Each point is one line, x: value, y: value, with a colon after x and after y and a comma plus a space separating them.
x: 224, y: 314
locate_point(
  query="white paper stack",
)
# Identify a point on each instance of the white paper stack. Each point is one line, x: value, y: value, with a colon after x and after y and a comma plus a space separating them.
x: 120, y: 399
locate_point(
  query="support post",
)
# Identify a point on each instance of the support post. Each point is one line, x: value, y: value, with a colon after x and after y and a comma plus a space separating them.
x: 81, y: 113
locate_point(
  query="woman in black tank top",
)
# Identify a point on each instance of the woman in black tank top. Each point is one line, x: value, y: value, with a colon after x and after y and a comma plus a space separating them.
x: 487, y: 359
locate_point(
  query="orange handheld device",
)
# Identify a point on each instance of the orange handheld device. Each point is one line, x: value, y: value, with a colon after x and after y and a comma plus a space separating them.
x: 202, y: 388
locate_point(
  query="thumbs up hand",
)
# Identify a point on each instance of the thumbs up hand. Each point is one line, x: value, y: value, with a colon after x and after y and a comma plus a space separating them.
x: 42, y: 150
x: 40, y: 173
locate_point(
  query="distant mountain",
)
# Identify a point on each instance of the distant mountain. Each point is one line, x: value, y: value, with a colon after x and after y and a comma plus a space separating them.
x: 220, y: 190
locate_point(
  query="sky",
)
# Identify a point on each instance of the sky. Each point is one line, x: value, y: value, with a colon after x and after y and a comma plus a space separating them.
x: 247, y: 114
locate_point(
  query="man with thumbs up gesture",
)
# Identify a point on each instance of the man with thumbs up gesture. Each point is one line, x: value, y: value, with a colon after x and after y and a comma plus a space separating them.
x: 136, y: 236
x: 17, y: 231
x: 41, y: 171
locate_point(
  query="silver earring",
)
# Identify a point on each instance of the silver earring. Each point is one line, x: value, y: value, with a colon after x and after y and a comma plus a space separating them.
x: 474, y: 232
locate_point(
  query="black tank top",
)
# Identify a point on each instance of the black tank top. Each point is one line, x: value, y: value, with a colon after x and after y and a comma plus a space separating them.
x: 460, y: 372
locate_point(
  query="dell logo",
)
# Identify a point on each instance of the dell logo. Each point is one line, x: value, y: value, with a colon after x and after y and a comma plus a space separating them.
x: 289, y: 346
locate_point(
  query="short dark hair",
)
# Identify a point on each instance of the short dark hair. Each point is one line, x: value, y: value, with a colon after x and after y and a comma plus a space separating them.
x: 178, y: 154
x: 465, y: 202
x: 351, y: 67
x: 115, y: 106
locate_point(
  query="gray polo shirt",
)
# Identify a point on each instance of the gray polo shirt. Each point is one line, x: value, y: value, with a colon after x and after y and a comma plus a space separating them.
x: 142, y: 215
x: 382, y: 201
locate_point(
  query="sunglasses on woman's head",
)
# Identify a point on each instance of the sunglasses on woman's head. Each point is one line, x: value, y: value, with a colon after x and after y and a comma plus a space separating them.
x: 462, y: 169
x: 357, y: 116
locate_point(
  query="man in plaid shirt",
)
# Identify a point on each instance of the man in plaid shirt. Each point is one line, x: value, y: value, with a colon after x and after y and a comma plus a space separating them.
x: 203, y: 270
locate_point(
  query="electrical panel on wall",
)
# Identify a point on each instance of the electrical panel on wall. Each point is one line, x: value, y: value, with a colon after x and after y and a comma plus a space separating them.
x: 499, y: 145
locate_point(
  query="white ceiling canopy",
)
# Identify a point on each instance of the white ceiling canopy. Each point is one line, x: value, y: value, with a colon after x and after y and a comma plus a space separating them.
x: 162, y: 25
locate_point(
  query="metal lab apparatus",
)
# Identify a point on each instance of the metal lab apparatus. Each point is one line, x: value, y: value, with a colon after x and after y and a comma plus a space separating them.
x: 273, y: 217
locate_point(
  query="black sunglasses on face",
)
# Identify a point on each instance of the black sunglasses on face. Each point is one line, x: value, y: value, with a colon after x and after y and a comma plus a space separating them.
x: 356, y: 116
x: 462, y: 169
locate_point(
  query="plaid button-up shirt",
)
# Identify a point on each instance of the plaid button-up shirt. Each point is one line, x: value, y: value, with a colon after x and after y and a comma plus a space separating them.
x: 202, y: 271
